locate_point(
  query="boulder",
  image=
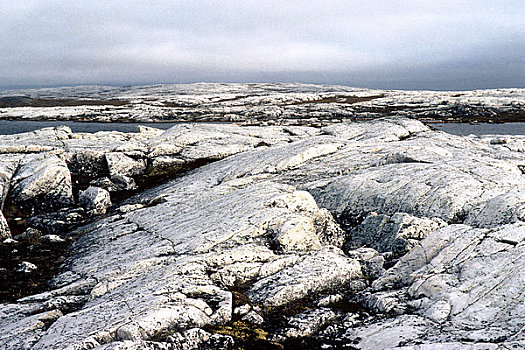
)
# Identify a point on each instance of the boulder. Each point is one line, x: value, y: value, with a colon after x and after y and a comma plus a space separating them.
x: 26, y: 267
x: 43, y: 184
x: 95, y: 200
x: 309, y: 322
x: 120, y: 164
x: 58, y: 222
x: 317, y: 272
x: 86, y: 165
x: 30, y: 234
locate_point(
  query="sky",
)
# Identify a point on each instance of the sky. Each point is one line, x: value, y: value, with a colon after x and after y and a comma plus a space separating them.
x: 391, y: 44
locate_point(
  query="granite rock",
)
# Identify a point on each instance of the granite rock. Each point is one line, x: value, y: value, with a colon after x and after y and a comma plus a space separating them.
x: 95, y: 200
x: 256, y: 104
x: 42, y: 184
x: 397, y: 233
x: 281, y: 214
x: 5, y: 232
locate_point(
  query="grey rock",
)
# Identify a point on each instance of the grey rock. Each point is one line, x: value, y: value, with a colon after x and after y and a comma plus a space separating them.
x: 26, y: 267
x: 370, y: 260
x: 263, y: 104
x: 38, y: 141
x: 43, y: 184
x: 315, y: 273
x: 390, y: 333
x: 253, y: 318
x: 167, y: 265
x: 329, y: 299
x: 182, y: 293
x: 443, y: 182
x: 457, y: 346
x: 30, y: 233
x: 5, y: 232
x: 86, y: 164
x: 242, y: 310
x: 58, y: 222
x: 95, y: 199
x: 219, y: 342
x: 307, y: 323
x: 387, y: 302
x: 8, y: 165
x: 123, y: 183
x: 23, y: 325
x: 397, y: 233
x: 191, y: 339
x: 52, y: 239
x: 506, y: 208
x: 123, y: 165
x: 459, y: 295
x: 105, y: 183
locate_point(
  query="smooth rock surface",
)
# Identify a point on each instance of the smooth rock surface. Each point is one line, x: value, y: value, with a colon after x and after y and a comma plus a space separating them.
x: 267, y: 224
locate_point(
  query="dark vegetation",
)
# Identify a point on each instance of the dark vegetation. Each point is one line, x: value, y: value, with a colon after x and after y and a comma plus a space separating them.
x: 250, y: 337
x: 46, y: 256
x: 337, y: 99
x: 25, y: 101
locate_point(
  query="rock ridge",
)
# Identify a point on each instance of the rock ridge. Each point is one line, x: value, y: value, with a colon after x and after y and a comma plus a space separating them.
x: 256, y: 104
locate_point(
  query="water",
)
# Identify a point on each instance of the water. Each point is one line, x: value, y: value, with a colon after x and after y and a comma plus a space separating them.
x: 8, y: 127
x: 481, y: 128
x: 18, y: 126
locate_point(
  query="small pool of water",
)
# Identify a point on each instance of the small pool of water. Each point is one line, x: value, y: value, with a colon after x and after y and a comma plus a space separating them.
x: 8, y: 127
x: 481, y: 128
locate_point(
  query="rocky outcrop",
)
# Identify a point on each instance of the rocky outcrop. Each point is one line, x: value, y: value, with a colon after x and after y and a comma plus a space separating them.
x: 397, y: 234
x: 291, y: 104
x: 42, y: 184
x: 373, y: 235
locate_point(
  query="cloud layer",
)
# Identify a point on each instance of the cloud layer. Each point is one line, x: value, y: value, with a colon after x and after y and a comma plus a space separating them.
x: 383, y: 43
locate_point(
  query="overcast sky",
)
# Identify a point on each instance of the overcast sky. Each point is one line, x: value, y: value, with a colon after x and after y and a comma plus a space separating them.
x: 412, y: 44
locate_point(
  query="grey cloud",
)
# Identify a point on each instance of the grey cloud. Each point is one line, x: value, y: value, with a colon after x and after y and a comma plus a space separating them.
x: 440, y: 44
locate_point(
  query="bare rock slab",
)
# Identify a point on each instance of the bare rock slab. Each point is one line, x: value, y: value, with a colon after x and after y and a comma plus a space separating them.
x: 317, y: 272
